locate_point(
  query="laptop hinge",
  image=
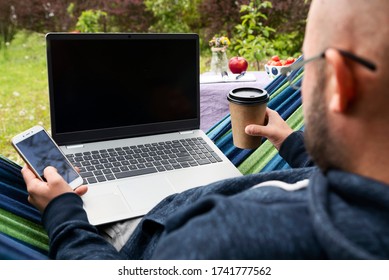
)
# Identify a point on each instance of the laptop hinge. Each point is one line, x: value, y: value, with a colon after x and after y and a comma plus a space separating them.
x: 74, y: 147
x: 186, y: 132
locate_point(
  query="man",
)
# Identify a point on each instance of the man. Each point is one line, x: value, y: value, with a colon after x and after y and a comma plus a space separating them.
x: 341, y: 212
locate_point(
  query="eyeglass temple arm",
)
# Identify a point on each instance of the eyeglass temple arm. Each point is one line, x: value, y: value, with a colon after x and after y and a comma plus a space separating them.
x: 371, y: 66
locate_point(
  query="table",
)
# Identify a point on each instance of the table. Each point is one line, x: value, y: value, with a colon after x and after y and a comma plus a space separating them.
x: 213, y: 98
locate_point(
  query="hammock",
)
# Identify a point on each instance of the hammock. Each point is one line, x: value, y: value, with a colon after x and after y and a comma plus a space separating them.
x: 21, y: 233
x: 287, y: 102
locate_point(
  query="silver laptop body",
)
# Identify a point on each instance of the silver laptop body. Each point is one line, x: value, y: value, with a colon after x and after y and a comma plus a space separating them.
x: 125, y: 109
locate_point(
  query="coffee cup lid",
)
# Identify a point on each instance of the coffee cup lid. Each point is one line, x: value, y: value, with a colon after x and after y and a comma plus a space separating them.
x: 248, y: 95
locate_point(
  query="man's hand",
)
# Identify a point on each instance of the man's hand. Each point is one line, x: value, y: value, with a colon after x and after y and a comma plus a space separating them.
x: 41, y: 193
x: 276, y: 130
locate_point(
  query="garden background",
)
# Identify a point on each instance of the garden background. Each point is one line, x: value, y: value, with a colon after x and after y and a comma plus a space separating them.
x: 257, y: 30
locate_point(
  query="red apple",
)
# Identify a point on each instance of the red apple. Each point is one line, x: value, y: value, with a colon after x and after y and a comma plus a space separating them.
x: 237, y: 64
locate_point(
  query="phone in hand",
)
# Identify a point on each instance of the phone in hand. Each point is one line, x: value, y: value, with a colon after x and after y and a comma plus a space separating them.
x: 39, y: 151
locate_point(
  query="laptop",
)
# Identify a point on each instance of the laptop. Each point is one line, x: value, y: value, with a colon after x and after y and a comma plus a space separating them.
x: 125, y: 109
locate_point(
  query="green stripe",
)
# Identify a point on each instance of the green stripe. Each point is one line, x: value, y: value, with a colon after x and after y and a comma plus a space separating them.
x: 23, y: 230
x: 285, y: 86
x: 261, y: 156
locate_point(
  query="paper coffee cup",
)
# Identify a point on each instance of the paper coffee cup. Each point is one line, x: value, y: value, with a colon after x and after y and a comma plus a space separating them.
x: 247, y: 106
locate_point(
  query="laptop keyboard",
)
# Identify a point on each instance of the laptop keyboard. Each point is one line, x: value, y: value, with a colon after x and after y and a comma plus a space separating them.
x: 122, y: 162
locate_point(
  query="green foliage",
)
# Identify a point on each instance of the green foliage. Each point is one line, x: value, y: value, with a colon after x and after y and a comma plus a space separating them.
x: 92, y: 21
x: 257, y: 42
x: 70, y: 10
x: 252, y: 39
x: 172, y: 15
x: 288, y: 44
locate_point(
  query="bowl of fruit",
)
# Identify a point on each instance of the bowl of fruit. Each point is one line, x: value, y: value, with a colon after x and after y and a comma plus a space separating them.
x: 273, y: 67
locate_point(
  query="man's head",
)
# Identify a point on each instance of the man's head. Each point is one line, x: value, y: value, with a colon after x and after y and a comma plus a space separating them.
x: 345, y: 104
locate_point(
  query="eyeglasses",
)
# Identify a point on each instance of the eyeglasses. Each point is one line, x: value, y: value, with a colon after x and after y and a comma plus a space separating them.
x: 293, y: 71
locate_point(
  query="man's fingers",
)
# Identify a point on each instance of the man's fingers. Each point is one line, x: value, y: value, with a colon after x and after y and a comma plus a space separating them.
x: 33, y: 183
x: 263, y: 130
x: 28, y: 175
x: 81, y: 190
x: 40, y: 192
x: 270, y: 111
x: 251, y: 129
x: 256, y: 130
x: 52, y: 176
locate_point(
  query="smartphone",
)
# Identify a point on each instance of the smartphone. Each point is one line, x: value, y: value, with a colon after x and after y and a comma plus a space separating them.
x: 39, y: 150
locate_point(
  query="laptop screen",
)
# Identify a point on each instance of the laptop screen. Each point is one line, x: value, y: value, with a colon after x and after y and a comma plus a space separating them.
x: 107, y: 86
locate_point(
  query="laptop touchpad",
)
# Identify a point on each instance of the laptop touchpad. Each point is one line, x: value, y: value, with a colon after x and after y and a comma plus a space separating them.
x: 143, y: 193
x: 104, y: 202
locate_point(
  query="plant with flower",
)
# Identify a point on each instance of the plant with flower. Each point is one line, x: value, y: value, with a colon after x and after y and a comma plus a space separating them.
x: 219, y: 42
x: 219, y: 45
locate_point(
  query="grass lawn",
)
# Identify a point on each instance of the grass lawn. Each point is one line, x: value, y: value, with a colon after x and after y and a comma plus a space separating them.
x: 23, y: 88
x: 24, y: 99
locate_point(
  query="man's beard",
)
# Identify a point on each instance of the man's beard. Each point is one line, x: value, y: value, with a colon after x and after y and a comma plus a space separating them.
x: 320, y: 145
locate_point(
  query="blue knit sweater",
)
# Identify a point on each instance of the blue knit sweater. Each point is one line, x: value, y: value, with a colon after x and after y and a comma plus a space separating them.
x: 337, y: 216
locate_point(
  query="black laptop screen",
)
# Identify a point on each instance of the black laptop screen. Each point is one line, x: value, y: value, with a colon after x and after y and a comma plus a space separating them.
x: 118, y: 85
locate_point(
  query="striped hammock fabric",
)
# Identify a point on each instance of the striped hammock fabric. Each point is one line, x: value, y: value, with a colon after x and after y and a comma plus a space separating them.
x: 21, y: 233
x: 287, y: 102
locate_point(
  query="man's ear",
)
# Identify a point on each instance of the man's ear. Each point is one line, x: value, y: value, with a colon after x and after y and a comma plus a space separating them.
x: 341, y: 84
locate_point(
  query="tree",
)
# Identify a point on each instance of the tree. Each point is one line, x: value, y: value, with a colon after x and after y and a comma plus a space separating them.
x: 268, y: 29
x: 8, y: 21
x: 55, y: 15
x: 173, y: 15
x: 122, y: 15
x: 288, y: 15
x: 92, y: 21
x: 252, y: 39
x: 128, y: 15
x: 219, y: 16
